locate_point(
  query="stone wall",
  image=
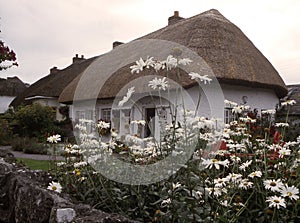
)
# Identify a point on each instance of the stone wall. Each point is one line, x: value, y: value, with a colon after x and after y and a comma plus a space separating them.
x: 25, y: 199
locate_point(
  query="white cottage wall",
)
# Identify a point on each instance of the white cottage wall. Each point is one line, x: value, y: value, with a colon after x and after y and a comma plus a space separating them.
x: 4, y: 102
x: 259, y: 98
x: 256, y: 98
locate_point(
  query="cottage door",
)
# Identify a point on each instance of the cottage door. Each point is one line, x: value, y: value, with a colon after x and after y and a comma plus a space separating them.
x: 150, y: 122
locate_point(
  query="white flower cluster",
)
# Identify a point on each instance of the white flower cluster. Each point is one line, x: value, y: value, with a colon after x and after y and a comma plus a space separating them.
x: 170, y: 63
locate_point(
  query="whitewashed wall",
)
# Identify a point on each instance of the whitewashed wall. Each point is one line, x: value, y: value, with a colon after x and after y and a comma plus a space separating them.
x: 259, y: 98
x: 211, y: 103
x: 4, y: 102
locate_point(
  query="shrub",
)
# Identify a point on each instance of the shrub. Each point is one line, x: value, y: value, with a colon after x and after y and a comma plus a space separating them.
x: 34, y: 120
x: 5, y: 131
x: 28, y: 145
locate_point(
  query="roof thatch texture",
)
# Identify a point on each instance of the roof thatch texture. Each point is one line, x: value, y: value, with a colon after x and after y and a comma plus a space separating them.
x: 12, y: 86
x: 53, y: 84
x: 293, y: 94
x: 232, y: 57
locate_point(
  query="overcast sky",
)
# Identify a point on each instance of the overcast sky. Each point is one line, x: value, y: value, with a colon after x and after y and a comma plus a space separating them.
x: 47, y: 33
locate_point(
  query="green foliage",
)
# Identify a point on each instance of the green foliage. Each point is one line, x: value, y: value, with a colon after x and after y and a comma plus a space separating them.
x: 5, y: 131
x: 35, y: 120
x: 28, y: 145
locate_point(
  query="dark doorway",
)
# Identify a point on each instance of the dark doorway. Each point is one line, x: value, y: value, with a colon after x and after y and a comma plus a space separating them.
x: 150, y: 124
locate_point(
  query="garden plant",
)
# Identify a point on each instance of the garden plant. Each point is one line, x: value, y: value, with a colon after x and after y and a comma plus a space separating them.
x: 244, y: 172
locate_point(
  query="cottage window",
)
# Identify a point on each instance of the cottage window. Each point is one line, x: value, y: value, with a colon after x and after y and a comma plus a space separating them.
x: 228, y: 116
x: 79, y: 115
x: 106, y: 114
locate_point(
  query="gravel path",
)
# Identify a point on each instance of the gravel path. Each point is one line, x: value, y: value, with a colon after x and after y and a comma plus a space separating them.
x: 19, y: 154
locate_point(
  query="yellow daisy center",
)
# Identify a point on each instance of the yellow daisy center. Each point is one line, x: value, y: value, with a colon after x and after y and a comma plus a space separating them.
x: 54, y: 188
x: 273, y: 184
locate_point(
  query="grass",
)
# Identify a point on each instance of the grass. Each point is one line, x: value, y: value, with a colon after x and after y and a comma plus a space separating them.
x: 35, y: 164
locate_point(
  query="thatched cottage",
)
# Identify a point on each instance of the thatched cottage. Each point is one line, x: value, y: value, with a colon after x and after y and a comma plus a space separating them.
x: 243, y: 73
x: 47, y: 90
x: 9, y: 89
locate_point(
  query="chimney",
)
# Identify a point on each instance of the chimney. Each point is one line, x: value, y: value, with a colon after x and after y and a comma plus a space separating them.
x: 54, y: 70
x: 117, y: 43
x: 175, y: 18
x: 77, y: 59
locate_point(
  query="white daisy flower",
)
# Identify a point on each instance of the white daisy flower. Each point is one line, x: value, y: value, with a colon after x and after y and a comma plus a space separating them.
x: 138, y: 122
x: 166, y: 202
x: 130, y: 91
x: 55, y: 186
x: 159, y: 83
x: 234, y: 177
x: 276, y: 202
x: 290, y: 192
x: 257, y: 173
x: 209, y: 163
x: 216, y: 191
x: 273, y: 185
x: 284, y: 152
x: 220, y: 182
x: 184, y: 61
x: 54, y: 139
x: 243, y: 166
x: 103, y: 125
x: 171, y: 62
x: 199, y: 78
x: 235, y: 158
x: 288, y: 102
x: 282, y: 124
x: 245, y: 184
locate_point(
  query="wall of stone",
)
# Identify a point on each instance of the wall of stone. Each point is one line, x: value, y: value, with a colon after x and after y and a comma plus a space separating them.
x: 25, y: 199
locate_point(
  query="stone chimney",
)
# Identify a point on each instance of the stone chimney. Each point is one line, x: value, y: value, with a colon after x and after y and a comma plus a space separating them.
x: 77, y: 59
x: 117, y: 43
x: 54, y: 70
x: 175, y: 18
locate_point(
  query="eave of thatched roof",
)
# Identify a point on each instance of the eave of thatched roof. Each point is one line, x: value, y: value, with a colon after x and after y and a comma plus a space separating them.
x: 12, y: 86
x: 232, y: 57
x: 53, y: 84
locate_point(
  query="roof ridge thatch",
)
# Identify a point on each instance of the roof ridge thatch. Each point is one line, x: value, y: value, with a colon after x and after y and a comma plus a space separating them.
x: 52, y: 85
x: 12, y: 86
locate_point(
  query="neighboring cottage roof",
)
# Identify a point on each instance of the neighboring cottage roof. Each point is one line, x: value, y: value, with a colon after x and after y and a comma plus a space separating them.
x: 232, y: 56
x: 53, y: 84
x: 293, y: 94
x: 12, y: 86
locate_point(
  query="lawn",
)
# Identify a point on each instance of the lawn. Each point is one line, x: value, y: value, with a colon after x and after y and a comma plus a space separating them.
x: 35, y: 164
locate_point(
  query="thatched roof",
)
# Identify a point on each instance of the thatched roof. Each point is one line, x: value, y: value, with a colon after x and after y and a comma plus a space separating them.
x: 232, y: 57
x: 53, y: 84
x: 12, y: 86
x: 293, y: 94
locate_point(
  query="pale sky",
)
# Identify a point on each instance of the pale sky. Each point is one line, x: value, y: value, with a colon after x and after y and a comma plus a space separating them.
x: 47, y: 33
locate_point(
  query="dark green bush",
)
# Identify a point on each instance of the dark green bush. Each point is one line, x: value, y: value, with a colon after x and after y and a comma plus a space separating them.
x: 34, y: 120
x: 5, y: 131
x: 28, y: 145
